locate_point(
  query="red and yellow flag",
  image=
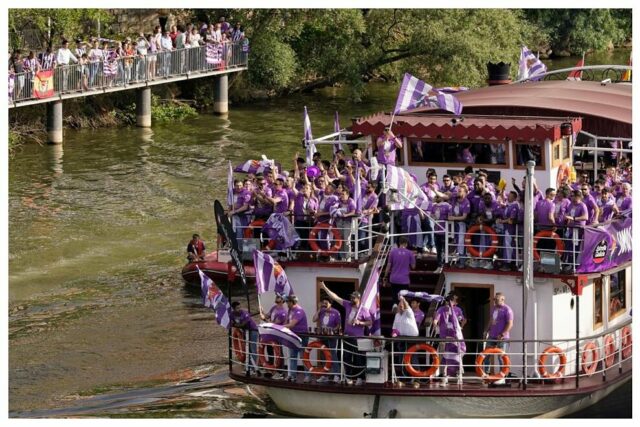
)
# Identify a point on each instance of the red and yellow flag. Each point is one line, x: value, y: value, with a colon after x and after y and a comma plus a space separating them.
x: 626, y: 76
x: 43, y: 84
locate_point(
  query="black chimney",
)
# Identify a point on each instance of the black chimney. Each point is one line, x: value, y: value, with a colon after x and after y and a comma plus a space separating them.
x: 498, y: 73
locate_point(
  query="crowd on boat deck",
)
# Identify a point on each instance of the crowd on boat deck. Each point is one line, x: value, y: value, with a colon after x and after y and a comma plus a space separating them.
x: 92, y: 53
x: 326, y: 191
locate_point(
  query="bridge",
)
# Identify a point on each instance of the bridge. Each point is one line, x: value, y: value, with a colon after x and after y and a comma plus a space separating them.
x: 137, y: 73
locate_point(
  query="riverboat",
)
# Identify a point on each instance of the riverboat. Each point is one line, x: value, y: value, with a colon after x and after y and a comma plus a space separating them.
x: 571, y: 344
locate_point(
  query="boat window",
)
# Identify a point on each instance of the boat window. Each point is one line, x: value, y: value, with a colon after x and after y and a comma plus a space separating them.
x: 617, y: 296
x: 597, y: 303
x: 528, y: 151
x: 438, y: 152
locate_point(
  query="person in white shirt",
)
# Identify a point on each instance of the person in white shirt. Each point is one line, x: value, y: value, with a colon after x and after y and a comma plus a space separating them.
x: 166, y: 46
x: 404, y: 325
x: 63, y: 57
x: 142, y: 49
x: 95, y: 57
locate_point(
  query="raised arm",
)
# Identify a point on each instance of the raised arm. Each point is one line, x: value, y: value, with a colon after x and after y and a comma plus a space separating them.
x: 331, y: 294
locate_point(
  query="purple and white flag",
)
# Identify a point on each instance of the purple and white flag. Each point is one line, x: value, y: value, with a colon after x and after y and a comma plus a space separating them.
x: 415, y: 93
x: 245, y: 45
x: 280, y: 334
x: 607, y: 246
x: 230, y: 186
x: 357, y: 191
x: 530, y: 66
x: 369, y: 301
x: 270, y: 275
x: 214, y: 53
x: 280, y: 229
x: 110, y: 64
x: 409, y: 194
x: 213, y: 298
x: 424, y: 296
x: 309, y: 148
x: 336, y: 128
x: 255, y: 166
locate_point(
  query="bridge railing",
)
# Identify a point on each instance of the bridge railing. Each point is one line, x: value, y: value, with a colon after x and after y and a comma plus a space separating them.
x: 132, y: 70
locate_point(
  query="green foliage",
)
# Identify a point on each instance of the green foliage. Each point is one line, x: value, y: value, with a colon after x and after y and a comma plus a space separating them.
x: 165, y: 112
x: 272, y: 63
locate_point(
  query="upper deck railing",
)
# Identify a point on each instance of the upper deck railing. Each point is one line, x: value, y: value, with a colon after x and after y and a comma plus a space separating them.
x: 130, y: 72
x: 612, y: 73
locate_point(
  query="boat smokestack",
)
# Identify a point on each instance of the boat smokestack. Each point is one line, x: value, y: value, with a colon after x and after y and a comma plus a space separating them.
x: 498, y: 73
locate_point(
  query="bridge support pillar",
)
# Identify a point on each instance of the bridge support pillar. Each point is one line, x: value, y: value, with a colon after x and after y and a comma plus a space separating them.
x: 54, y: 122
x: 221, y: 95
x: 143, y: 108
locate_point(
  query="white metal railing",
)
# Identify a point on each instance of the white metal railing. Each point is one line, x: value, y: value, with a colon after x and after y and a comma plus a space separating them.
x: 333, y: 357
x: 81, y: 78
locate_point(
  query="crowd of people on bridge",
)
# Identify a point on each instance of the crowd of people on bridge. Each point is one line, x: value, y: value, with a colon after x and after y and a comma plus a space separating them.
x: 326, y: 192
x: 105, y: 62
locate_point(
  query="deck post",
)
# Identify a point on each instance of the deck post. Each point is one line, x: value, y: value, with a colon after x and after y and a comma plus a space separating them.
x: 54, y: 122
x: 221, y: 94
x: 143, y: 107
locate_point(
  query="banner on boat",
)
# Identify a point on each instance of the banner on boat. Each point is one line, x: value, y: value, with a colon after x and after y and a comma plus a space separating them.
x: 280, y: 334
x: 606, y: 247
x: 213, y: 298
x: 270, y: 275
x: 43, y: 84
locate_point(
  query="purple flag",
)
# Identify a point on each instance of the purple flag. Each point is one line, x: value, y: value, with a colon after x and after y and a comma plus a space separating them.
x: 530, y: 66
x: 110, y: 64
x: 214, y: 53
x: 230, y: 186
x: 280, y: 334
x: 280, y: 229
x: 369, y: 299
x: 409, y: 194
x: 606, y: 247
x: 415, y: 93
x: 357, y: 191
x: 255, y: 166
x: 336, y: 128
x: 213, y: 298
x: 270, y: 275
x: 424, y: 296
x: 309, y: 148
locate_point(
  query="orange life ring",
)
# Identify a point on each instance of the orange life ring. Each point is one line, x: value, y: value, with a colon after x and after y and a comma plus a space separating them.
x: 277, y: 355
x: 589, y: 368
x: 475, y: 252
x: 542, y: 362
x: 313, y: 238
x: 248, y: 232
x: 546, y: 234
x: 321, y: 369
x: 506, y: 363
x: 238, y: 343
x: 564, y: 172
x: 626, y: 342
x: 435, y: 360
x: 609, y: 351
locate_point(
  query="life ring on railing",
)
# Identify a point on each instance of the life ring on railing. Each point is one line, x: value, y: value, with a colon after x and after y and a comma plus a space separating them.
x: 546, y: 234
x: 313, y: 238
x: 626, y: 342
x: 609, y: 351
x: 435, y: 360
x: 475, y: 252
x: 587, y: 367
x: 238, y: 343
x: 504, y: 370
x: 542, y: 362
x: 564, y: 173
x: 248, y: 232
x: 321, y: 369
x: 263, y: 357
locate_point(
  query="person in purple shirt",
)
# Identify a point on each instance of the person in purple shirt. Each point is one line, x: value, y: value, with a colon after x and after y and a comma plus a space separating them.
x: 449, y: 321
x: 329, y: 321
x: 591, y: 204
x: 498, y: 329
x: 440, y: 212
x: 344, y: 213
x: 417, y: 313
x: 304, y: 207
x: 561, y: 203
x: 448, y: 188
x: 509, y: 221
x: 386, y: 146
x: 460, y: 210
x: 411, y: 222
x: 280, y: 199
x: 430, y: 189
x: 486, y: 215
x: 400, y: 262
x: 369, y: 209
x: 544, y: 211
x: 327, y: 200
x: 297, y: 323
x: 241, y: 205
x: 241, y: 319
x: 354, y: 323
x: 277, y: 313
x: 576, y: 217
x: 624, y: 200
x: 262, y: 197
x: 607, y: 205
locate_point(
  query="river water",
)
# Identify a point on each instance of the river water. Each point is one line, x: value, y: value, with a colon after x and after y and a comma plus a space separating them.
x: 99, y: 321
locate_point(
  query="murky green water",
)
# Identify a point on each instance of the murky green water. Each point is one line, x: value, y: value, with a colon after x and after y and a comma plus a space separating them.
x: 97, y: 235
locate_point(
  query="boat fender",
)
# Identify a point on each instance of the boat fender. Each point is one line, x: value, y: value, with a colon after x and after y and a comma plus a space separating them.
x: 627, y: 340
x: 313, y: 239
x: 542, y: 362
x: 263, y: 357
x: 609, y: 351
x: 504, y: 370
x: 238, y: 343
x: 475, y: 252
x: 546, y: 234
x: 435, y: 360
x: 589, y: 351
x: 258, y: 223
x: 321, y: 369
